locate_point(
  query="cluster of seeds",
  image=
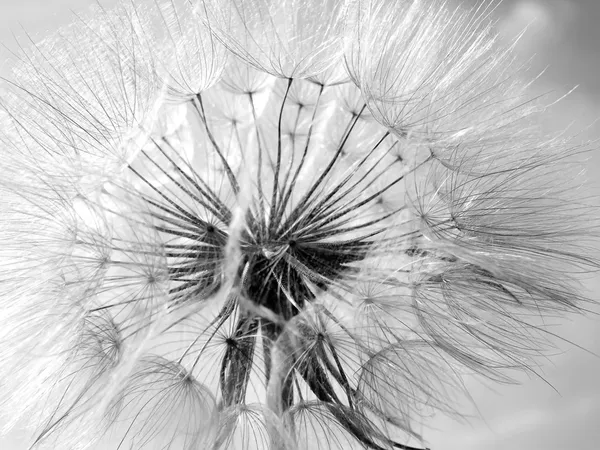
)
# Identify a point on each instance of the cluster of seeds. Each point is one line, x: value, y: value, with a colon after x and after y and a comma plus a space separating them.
x: 273, y: 224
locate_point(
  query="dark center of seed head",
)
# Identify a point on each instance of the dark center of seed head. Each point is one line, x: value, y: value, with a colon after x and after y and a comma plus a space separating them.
x: 275, y: 284
x: 284, y: 284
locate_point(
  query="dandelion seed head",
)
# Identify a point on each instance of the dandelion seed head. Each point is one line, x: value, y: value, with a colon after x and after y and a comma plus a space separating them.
x: 255, y: 224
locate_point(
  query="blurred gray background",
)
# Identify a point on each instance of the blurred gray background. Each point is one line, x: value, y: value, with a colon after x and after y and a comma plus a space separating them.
x: 564, y: 36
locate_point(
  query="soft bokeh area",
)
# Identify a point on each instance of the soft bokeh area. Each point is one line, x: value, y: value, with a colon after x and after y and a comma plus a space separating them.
x: 560, y: 409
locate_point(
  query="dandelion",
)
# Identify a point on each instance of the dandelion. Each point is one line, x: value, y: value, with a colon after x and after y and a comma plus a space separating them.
x: 275, y: 224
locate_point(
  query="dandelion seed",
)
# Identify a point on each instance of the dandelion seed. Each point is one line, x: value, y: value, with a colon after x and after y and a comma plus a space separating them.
x: 275, y: 224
